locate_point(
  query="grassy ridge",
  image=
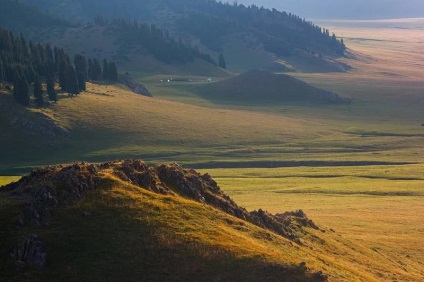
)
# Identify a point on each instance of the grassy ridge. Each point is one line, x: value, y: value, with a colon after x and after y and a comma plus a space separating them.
x: 122, y: 232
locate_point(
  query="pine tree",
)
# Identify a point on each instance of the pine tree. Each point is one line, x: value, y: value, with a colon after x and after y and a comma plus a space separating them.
x: 2, y: 71
x: 97, y: 69
x: 90, y: 70
x: 61, y: 75
x: 105, y: 69
x: 113, y: 72
x: 81, y: 81
x: 221, y: 61
x: 81, y: 65
x: 20, y: 90
x: 71, y: 80
x: 38, y: 92
x: 50, y: 88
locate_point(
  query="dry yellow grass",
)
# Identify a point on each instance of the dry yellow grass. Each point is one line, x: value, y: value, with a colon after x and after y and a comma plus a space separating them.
x: 377, y: 208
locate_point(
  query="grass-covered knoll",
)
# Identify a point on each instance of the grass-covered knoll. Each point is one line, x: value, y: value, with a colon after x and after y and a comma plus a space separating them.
x: 266, y: 88
x: 378, y: 207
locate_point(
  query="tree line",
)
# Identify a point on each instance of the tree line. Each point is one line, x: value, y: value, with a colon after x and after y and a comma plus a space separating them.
x: 16, y: 15
x: 29, y: 65
x: 278, y: 32
x: 156, y: 40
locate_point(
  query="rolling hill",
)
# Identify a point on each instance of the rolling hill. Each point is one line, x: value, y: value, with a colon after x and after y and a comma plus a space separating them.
x: 165, y: 223
x: 264, y: 87
x: 109, y: 121
x: 126, y: 220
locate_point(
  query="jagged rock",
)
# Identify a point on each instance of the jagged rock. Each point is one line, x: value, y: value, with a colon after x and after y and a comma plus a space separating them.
x: 50, y: 187
x: 29, y: 252
x: 134, y: 85
x: 40, y: 190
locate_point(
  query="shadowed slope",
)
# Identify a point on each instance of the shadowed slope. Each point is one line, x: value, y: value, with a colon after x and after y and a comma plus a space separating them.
x: 261, y: 86
x: 93, y: 226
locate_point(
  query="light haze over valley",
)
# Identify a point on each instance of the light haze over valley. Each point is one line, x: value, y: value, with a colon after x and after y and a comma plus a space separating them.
x: 346, y: 9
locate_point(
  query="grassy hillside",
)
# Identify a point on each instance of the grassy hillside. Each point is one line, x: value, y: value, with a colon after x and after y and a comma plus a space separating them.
x: 211, y: 22
x: 19, y: 17
x: 239, y: 31
x: 263, y: 87
x: 134, y: 125
x: 378, y: 207
x: 138, y: 234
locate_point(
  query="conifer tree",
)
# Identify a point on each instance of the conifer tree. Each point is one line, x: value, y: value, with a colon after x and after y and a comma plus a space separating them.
x: 90, y: 69
x: 105, y: 69
x: 81, y: 81
x: 61, y: 75
x: 113, y: 72
x: 97, y: 69
x: 20, y: 90
x: 51, y: 92
x: 71, y: 80
x: 2, y: 71
x: 81, y: 65
x: 38, y: 92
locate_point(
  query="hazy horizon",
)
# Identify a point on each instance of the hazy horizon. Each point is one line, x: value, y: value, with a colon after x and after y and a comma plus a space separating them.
x: 346, y: 9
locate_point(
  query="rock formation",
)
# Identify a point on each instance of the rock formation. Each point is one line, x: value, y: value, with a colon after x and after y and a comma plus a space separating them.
x: 50, y: 187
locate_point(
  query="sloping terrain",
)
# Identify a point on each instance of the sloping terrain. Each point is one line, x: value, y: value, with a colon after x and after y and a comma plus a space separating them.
x: 109, y: 121
x: 159, y: 223
x: 264, y: 87
x: 125, y: 220
x: 17, y: 17
x: 212, y: 27
x: 210, y: 22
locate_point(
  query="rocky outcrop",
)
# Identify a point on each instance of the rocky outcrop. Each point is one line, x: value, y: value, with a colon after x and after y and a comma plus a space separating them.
x: 29, y: 252
x: 54, y: 186
x: 134, y: 85
x: 47, y: 188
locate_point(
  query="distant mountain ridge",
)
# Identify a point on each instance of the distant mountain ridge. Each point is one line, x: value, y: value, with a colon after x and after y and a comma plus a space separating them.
x: 208, y: 23
x: 347, y: 9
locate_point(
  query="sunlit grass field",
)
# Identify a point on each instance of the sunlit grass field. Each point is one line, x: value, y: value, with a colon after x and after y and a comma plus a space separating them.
x: 8, y: 179
x: 379, y: 207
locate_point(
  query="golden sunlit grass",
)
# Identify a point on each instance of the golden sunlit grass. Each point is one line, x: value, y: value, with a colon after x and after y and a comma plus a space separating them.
x: 8, y: 179
x: 378, y: 207
x: 142, y: 234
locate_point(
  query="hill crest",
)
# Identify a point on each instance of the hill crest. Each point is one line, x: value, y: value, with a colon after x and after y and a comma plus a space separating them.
x: 262, y: 86
x: 50, y: 196
x: 169, y: 179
